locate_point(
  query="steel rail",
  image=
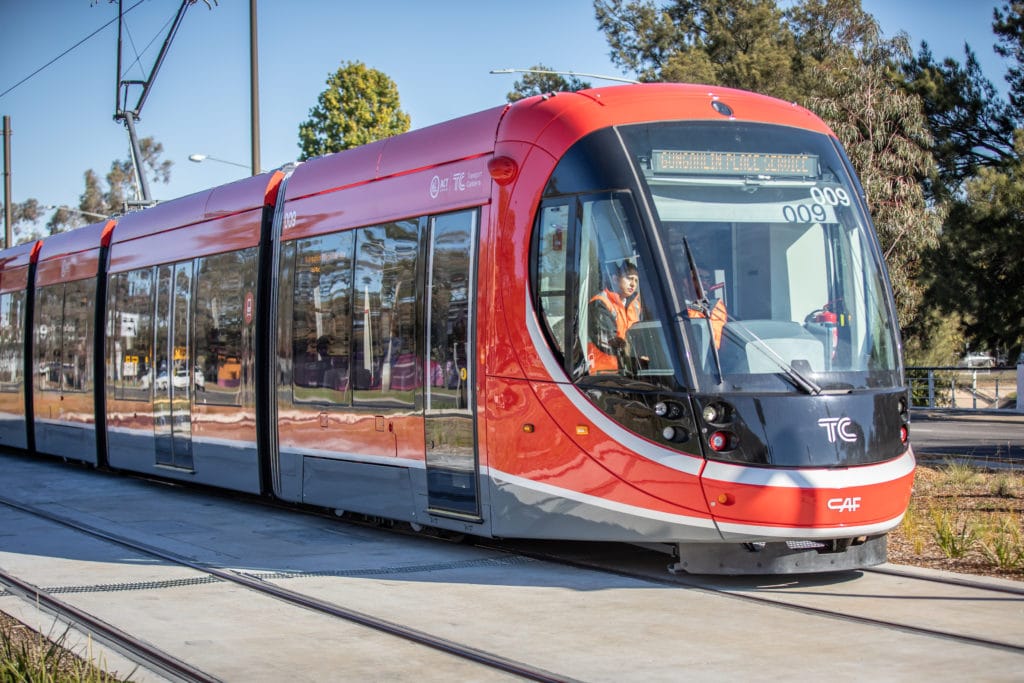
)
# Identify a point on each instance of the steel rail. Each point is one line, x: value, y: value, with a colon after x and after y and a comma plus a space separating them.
x: 417, y: 636
x: 139, y: 651
x: 709, y: 587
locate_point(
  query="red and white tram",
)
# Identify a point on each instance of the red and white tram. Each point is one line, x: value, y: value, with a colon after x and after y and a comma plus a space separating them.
x: 431, y: 329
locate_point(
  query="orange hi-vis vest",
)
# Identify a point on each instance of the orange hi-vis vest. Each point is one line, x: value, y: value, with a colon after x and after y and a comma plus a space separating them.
x: 718, y: 320
x: 624, y: 315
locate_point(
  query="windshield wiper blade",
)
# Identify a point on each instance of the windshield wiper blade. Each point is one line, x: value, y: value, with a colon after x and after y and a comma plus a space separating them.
x: 703, y: 306
x: 796, y: 377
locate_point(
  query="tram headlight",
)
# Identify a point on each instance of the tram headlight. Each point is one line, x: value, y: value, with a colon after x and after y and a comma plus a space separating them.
x: 904, y: 434
x: 715, y: 413
x: 668, y: 409
x: 674, y: 434
x: 904, y: 412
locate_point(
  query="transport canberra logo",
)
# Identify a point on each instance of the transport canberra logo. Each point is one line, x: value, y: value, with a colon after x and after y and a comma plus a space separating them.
x: 459, y: 181
x: 838, y: 427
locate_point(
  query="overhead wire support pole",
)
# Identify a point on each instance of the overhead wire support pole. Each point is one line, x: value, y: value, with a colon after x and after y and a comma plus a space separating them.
x: 8, y: 201
x: 121, y: 110
x: 140, y: 175
x: 254, y: 88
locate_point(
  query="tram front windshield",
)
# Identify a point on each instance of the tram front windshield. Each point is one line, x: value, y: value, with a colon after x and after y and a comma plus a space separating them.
x: 770, y: 264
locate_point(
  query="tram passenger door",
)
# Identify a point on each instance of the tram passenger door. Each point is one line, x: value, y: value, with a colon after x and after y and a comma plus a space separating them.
x: 452, y: 468
x: 172, y: 388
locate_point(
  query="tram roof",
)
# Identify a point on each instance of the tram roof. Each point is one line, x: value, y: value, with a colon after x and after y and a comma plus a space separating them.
x: 555, y: 122
x: 234, y: 198
x: 552, y: 122
x: 17, y: 256
x: 14, y: 263
x: 75, y: 241
x: 462, y: 138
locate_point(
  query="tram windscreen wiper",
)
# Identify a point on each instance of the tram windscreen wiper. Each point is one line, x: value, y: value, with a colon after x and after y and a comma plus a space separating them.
x: 703, y: 306
x: 746, y: 335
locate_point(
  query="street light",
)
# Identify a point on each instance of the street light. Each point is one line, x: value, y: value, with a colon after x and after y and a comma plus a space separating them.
x: 85, y: 214
x: 199, y: 158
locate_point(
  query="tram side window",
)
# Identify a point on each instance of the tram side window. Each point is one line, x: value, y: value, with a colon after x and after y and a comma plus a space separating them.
x: 322, y: 319
x: 78, y: 321
x: 615, y: 326
x: 384, y: 327
x: 12, y: 313
x: 590, y: 281
x: 451, y: 311
x: 224, y: 320
x: 48, y: 342
x: 551, y: 271
x: 130, y: 331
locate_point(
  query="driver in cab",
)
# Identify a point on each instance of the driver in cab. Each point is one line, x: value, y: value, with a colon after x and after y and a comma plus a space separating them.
x: 612, y: 312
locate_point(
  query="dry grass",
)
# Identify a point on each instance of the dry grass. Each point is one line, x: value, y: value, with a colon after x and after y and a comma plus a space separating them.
x: 963, y: 519
x: 28, y: 655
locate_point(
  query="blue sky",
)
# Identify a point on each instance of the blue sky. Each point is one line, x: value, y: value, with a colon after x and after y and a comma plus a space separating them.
x: 439, y: 54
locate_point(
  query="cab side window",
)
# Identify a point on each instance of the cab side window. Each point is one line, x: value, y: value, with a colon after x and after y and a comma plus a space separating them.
x: 590, y: 279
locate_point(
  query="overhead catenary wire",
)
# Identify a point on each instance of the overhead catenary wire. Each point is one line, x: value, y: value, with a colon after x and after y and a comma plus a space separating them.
x: 66, y: 52
x: 138, y: 55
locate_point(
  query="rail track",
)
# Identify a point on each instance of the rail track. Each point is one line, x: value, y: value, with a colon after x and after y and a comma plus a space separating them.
x: 153, y: 658
x: 888, y: 604
x: 773, y: 590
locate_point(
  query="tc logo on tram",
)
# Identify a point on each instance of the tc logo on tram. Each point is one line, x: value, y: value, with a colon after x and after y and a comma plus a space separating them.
x: 841, y: 427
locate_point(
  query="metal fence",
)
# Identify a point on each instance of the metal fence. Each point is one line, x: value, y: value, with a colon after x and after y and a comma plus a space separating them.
x: 966, y: 388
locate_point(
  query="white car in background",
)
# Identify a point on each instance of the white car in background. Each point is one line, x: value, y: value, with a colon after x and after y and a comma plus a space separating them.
x: 978, y: 360
x: 180, y: 379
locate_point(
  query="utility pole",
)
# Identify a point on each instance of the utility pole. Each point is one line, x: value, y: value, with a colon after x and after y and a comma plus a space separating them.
x: 8, y: 201
x: 130, y: 115
x: 254, y: 88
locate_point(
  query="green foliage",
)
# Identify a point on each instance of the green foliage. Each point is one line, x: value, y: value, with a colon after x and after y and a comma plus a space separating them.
x: 359, y: 105
x: 939, y: 343
x: 958, y: 476
x: 1002, y: 543
x: 735, y: 43
x: 976, y: 273
x: 971, y: 127
x: 954, y: 536
x: 24, y: 215
x: 1006, y: 485
x: 534, y: 83
x: 1009, y: 29
x: 913, y: 527
x: 979, y: 266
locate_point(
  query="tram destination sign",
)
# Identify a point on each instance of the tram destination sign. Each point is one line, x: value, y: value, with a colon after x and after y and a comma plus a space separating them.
x: 684, y: 162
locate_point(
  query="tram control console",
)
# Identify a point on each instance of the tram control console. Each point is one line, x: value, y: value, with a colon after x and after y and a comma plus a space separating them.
x: 650, y: 314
